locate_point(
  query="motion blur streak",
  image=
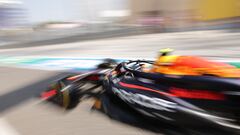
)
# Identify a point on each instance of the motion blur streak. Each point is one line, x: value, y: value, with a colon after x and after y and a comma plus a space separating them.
x: 47, y: 43
x: 48, y: 94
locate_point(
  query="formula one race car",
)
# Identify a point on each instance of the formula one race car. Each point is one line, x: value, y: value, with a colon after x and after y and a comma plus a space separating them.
x: 192, y: 94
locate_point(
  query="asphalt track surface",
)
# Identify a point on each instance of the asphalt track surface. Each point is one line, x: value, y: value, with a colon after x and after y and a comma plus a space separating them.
x: 27, y: 115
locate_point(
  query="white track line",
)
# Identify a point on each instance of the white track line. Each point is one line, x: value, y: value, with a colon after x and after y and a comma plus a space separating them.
x: 6, y: 128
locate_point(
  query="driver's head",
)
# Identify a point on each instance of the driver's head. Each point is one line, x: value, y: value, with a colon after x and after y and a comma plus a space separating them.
x: 165, y: 52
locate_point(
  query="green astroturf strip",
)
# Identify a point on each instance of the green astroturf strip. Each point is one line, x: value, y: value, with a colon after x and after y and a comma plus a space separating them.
x: 236, y: 64
x: 42, y: 60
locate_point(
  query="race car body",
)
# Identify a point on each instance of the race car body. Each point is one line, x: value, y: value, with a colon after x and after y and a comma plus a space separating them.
x: 162, y: 93
x: 192, y: 65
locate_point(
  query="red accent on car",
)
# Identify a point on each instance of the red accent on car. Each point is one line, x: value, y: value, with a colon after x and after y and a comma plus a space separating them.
x: 48, y: 94
x: 182, y: 93
x: 72, y: 78
x: 196, y: 94
x: 93, y: 78
x: 144, y: 88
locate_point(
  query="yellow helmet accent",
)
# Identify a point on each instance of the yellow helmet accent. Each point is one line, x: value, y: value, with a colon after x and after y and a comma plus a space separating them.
x: 168, y: 59
x: 166, y: 50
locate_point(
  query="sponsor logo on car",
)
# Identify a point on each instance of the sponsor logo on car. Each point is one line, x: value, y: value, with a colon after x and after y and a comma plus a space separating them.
x: 145, y: 101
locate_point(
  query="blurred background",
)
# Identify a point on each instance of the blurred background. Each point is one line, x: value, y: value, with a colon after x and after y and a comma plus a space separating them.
x: 42, y: 40
x: 71, y: 17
